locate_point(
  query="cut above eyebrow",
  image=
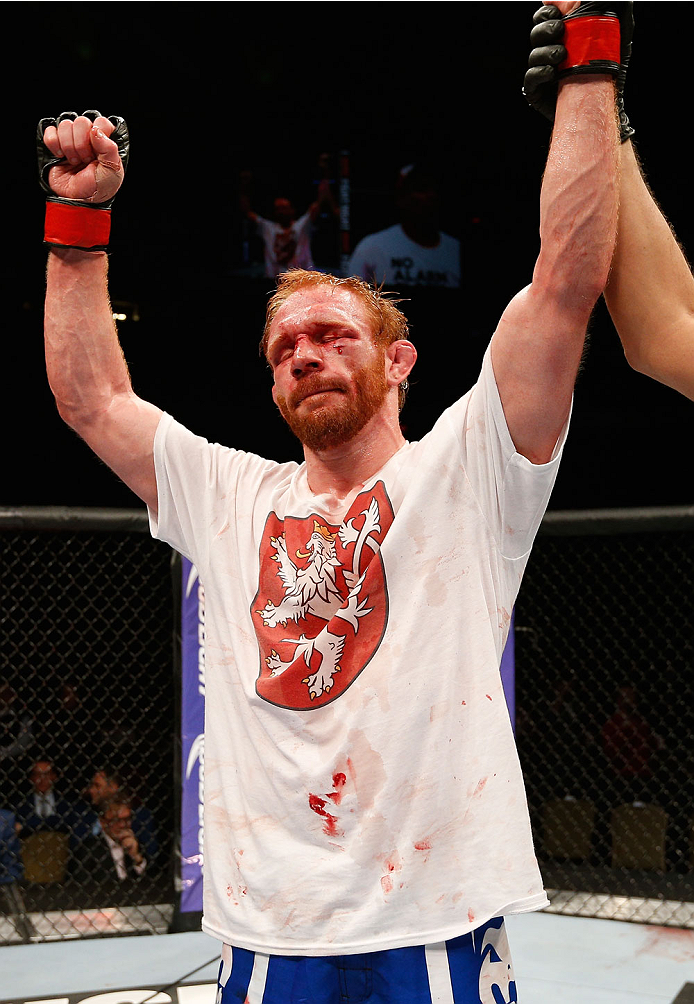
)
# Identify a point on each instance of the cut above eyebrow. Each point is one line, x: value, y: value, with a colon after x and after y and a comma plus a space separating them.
x: 314, y: 327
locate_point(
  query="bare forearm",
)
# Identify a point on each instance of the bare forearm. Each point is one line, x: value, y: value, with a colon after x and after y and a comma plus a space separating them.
x: 85, y: 364
x: 537, y: 346
x: 578, y: 204
x: 650, y: 293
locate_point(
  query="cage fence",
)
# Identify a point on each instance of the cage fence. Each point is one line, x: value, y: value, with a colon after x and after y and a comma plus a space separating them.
x: 87, y: 725
x: 89, y: 719
x: 605, y: 698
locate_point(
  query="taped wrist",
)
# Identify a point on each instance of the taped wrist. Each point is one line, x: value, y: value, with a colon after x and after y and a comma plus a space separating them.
x: 77, y: 225
x: 592, y: 43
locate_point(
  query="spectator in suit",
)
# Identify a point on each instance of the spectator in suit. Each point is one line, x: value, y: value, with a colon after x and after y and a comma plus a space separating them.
x: 107, y: 787
x: 114, y: 851
x: 45, y: 809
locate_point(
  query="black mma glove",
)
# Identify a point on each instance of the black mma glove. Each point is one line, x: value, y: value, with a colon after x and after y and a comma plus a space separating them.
x: 565, y: 46
x: 72, y: 223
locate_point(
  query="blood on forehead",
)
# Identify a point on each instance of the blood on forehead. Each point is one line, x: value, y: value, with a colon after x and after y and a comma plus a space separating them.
x: 315, y: 316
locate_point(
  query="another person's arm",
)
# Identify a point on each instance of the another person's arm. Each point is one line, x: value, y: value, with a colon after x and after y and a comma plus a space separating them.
x: 650, y: 292
x: 245, y: 181
x: 325, y: 200
x: 537, y: 347
x: 86, y: 368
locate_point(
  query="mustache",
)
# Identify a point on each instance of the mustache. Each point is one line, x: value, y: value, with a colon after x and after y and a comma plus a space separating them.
x: 313, y: 385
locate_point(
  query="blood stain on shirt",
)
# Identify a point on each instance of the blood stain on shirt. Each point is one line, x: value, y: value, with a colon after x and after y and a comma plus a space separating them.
x: 470, y: 916
x: 339, y: 780
x: 488, y: 697
x: 480, y: 786
x: 317, y: 804
x: 392, y: 865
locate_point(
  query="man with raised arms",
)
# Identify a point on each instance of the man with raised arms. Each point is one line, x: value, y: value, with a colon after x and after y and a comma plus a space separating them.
x: 366, y: 827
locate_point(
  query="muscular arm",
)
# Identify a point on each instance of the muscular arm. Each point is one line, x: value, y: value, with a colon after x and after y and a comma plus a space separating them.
x: 88, y: 374
x: 537, y: 346
x: 650, y: 293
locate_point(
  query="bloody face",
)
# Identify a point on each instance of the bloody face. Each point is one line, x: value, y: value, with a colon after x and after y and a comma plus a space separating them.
x: 329, y: 373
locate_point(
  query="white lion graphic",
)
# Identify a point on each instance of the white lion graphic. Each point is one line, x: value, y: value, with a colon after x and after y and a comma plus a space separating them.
x: 313, y: 590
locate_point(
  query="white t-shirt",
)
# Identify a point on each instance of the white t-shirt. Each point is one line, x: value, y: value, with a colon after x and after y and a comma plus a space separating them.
x: 388, y: 809
x: 288, y: 247
x: 391, y: 256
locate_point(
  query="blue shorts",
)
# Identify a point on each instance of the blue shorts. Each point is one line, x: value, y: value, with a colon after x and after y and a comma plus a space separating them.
x: 472, y: 969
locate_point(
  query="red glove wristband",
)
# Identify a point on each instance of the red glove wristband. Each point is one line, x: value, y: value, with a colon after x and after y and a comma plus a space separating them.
x: 79, y: 227
x: 592, y: 44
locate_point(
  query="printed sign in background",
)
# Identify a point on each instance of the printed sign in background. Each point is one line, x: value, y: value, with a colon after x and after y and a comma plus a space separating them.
x: 192, y: 736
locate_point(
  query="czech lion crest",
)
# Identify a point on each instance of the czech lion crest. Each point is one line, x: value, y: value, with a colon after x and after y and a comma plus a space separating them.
x: 321, y: 608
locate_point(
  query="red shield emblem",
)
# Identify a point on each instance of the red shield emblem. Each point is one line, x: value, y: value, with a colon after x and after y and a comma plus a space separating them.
x: 321, y: 608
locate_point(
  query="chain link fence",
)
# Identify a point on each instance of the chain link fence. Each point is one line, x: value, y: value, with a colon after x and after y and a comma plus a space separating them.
x: 88, y: 718
x: 87, y: 725
x: 605, y: 697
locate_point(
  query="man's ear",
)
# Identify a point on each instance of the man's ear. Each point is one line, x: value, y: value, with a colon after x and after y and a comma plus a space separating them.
x: 401, y: 356
x: 274, y: 393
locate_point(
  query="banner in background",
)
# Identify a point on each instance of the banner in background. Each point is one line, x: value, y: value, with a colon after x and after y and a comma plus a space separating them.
x: 508, y: 673
x: 192, y: 736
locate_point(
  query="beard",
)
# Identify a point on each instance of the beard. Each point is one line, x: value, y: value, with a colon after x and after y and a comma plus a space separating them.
x: 332, y: 424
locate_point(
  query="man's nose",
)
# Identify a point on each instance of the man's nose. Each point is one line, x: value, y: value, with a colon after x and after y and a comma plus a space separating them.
x: 307, y: 356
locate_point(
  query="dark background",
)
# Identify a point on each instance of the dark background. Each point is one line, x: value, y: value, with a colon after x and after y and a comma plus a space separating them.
x: 212, y: 89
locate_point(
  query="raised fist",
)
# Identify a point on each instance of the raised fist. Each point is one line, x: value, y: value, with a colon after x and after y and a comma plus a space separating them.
x: 82, y: 157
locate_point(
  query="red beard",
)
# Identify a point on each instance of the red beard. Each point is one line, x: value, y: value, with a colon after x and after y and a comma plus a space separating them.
x: 333, y: 423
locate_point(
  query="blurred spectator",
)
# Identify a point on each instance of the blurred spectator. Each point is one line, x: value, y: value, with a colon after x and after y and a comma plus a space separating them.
x: 10, y: 849
x: 45, y: 809
x: 16, y: 733
x: 16, y: 738
x: 113, y: 851
x: 67, y: 733
x: 11, y: 869
x: 106, y: 788
x: 629, y: 743
x: 413, y: 252
x: 286, y: 239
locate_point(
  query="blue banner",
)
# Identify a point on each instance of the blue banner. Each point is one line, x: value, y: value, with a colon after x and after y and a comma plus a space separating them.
x: 508, y: 673
x: 192, y: 736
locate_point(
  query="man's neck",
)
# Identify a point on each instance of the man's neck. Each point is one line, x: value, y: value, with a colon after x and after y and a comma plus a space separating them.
x: 342, y: 469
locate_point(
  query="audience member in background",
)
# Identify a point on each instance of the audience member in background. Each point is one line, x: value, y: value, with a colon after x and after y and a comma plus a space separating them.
x: 10, y: 852
x: 45, y: 809
x: 286, y: 239
x: 11, y: 869
x: 113, y: 851
x: 629, y: 743
x: 106, y: 788
x: 413, y: 252
x: 16, y: 738
x: 64, y: 732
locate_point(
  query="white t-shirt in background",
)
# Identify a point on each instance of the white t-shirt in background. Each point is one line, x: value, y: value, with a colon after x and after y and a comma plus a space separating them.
x: 286, y: 247
x: 392, y: 257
